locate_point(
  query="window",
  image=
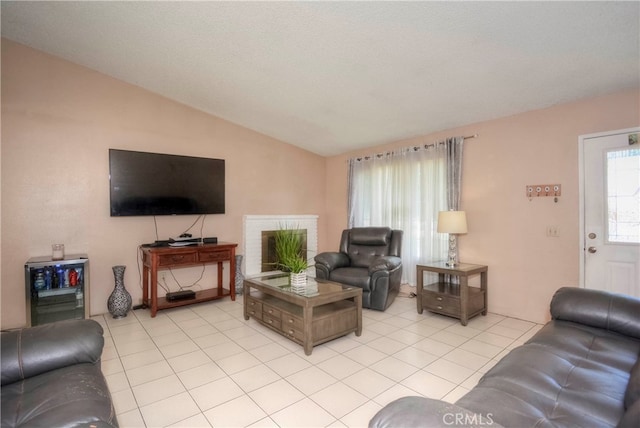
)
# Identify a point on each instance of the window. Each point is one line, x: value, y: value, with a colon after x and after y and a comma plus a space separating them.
x: 403, y: 190
x: 623, y: 196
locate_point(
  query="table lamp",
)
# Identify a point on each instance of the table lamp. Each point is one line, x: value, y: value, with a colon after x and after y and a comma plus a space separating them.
x: 453, y: 223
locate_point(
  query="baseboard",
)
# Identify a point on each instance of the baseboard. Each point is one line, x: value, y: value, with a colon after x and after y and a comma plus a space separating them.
x: 406, y: 290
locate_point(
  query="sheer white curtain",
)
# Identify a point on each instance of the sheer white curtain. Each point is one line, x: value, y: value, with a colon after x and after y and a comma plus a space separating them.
x: 403, y: 190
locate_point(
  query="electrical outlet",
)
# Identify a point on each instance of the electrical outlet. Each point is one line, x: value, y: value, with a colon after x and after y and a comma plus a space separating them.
x: 553, y: 231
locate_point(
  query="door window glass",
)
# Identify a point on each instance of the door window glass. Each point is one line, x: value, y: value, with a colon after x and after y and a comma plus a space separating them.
x: 623, y: 196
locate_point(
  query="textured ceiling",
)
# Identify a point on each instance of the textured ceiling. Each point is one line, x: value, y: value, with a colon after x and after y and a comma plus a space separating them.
x: 331, y: 77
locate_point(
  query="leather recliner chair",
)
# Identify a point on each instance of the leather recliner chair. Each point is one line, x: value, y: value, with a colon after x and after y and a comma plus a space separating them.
x: 369, y: 258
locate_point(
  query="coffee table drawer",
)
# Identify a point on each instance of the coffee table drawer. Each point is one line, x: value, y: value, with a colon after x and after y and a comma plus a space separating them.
x: 293, y: 333
x: 253, y: 305
x: 289, y: 322
x: 270, y: 311
x: 255, y: 312
x: 271, y: 321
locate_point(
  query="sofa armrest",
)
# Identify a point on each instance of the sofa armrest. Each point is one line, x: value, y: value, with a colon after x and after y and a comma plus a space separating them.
x: 332, y: 260
x: 610, y: 311
x: 427, y: 412
x: 32, y: 351
x: 387, y: 263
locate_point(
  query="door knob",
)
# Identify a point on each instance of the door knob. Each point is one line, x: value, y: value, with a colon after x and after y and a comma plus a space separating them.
x: 592, y: 250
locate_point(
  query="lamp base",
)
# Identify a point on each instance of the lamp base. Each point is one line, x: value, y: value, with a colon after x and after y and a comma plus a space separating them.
x: 453, y: 251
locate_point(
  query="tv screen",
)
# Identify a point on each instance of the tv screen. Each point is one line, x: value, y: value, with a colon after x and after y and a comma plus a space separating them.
x: 160, y: 184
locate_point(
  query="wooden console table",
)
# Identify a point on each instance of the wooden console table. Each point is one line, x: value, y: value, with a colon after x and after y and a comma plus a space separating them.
x: 159, y: 258
x: 447, y: 298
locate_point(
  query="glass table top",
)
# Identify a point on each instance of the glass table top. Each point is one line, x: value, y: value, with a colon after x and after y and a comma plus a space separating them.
x: 282, y: 282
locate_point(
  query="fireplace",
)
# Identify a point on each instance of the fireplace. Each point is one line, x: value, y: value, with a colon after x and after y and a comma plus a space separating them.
x: 255, y: 225
x: 269, y: 258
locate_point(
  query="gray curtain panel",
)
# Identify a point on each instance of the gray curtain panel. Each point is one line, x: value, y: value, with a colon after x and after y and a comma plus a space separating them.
x: 455, y: 146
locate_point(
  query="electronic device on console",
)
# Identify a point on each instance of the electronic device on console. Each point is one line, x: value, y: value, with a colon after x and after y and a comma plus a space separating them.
x: 181, y: 242
x: 180, y: 295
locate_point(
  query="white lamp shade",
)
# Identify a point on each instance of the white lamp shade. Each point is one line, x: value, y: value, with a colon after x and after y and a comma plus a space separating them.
x: 452, y: 222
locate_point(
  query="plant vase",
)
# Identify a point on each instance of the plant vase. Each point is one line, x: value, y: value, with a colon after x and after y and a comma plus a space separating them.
x: 119, y: 302
x: 239, y: 277
x: 298, y: 281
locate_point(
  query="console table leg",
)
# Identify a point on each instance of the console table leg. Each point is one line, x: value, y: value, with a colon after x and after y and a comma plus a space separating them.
x: 232, y: 276
x: 145, y: 285
x: 154, y: 292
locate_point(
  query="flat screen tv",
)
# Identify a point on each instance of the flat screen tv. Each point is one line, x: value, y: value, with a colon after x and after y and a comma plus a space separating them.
x: 149, y: 184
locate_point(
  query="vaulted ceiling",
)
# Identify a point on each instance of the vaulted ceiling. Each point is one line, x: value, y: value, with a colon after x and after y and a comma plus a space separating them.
x: 331, y: 77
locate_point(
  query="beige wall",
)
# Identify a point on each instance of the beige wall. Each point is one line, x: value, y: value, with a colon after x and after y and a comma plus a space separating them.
x: 59, y: 119
x: 507, y: 232
x: 58, y: 122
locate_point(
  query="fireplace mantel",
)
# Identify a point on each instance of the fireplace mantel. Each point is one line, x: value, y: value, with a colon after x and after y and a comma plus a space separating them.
x: 254, y: 225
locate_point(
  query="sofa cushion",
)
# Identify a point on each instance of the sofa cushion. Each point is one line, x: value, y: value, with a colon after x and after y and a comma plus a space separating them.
x: 567, y: 375
x: 609, y: 311
x: 427, y: 412
x: 31, y: 351
x: 72, y: 396
x: 631, y: 418
x: 370, y: 236
x: 632, y: 394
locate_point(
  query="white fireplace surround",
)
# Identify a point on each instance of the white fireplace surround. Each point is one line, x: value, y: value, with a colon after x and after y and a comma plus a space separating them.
x: 254, y: 225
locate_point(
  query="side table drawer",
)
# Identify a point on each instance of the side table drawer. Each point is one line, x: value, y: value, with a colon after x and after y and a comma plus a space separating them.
x: 441, y: 303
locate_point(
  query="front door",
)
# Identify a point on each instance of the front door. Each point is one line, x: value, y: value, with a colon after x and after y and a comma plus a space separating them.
x: 610, y: 175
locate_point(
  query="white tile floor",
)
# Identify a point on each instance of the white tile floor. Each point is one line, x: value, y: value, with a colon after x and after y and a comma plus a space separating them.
x: 205, y: 366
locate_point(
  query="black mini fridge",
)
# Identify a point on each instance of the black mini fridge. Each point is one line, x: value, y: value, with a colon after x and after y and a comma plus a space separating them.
x: 57, y: 289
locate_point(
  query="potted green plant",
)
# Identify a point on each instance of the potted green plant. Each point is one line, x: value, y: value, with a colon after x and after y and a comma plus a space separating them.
x: 291, y: 256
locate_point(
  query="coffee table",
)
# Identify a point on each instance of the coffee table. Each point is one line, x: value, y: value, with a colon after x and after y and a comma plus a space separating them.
x: 323, y: 311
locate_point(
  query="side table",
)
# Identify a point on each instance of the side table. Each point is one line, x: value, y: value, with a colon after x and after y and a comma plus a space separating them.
x: 447, y: 298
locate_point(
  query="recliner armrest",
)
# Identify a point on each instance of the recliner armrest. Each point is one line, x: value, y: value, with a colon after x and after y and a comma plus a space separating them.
x: 387, y: 263
x: 31, y: 351
x: 602, y: 309
x: 332, y: 260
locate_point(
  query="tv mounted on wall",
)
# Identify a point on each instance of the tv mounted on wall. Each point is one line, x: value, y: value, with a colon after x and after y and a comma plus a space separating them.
x: 145, y: 184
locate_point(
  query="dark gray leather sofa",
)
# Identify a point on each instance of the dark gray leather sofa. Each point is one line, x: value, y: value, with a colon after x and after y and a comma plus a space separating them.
x: 580, y: 370
x: 51, y: 377
x: 369, y: 258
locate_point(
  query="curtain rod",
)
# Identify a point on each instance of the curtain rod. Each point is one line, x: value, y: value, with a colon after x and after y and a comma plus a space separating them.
x: 415, y: 148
